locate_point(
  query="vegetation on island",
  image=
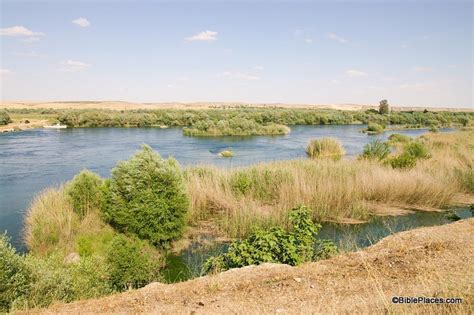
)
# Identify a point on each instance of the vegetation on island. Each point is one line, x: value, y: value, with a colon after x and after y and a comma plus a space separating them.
x: 226, y: 153
x: 325, y: 148
x: 246, y: 120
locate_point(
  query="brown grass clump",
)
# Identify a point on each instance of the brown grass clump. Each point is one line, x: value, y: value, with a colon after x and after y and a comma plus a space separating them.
x: 325, y: 148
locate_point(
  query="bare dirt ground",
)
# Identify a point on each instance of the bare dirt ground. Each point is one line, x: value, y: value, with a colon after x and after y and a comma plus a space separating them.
x: 430, y: 262
x: 21, y: 125
x: 119, y: 105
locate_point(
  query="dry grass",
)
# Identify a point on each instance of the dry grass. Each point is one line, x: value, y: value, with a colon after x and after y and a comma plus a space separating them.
x: 325, y: 148
x: 51, y: 223
x: 261, y: 195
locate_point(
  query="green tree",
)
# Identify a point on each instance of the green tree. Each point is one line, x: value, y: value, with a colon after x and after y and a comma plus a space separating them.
x: 85, y: 192
x: 4, y: 118
x: 146, y: 196
x: 383, y: 107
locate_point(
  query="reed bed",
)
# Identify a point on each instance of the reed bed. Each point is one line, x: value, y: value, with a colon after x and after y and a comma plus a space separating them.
x: 261, y: 195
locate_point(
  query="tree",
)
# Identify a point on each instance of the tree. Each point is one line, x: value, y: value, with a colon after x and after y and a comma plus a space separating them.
x: 383, y: 107
x: 85, y: 192
x: 146, y: 196
x: 4, y: 118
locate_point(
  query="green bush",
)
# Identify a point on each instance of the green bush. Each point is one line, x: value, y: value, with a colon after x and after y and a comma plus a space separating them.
x: 132, y: 264
x: 4, y: 118
x: 418, y: 150
x: 383, y: 107
x: 373, y: 127
x: 376, y: 150
x: 402, y: 161
x: 15, y: 275
x: 434, y: 129
x: 276, y: 245
x: 146, y: 196
x: 325, y: 148
x: 31, y: 281
x: 86, y: 192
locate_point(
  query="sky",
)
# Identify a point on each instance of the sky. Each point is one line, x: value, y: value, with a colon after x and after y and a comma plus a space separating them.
x: 413, y: 53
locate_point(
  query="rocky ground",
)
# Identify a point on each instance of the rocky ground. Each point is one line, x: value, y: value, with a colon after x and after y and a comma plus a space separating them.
x: 430, y: 262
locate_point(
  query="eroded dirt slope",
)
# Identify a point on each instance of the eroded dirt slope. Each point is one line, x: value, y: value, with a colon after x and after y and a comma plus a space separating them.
x: 433, y: 262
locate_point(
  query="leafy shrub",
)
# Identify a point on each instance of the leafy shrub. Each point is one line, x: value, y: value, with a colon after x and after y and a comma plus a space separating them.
x: 146, y: 196
x: 15, y: 275
x: 226, y: 153
x: 4, y: 118
x: 325, y: 148
x: 399, y: 138
x: 418, y: 150
x: 373, y: 127
x: 376, y: 150
x: 32, y: 281
x: 403, y: 161
x: 131, y: 263
x: 85, y: 191
x: 276, y: 245
x: 434, y: 129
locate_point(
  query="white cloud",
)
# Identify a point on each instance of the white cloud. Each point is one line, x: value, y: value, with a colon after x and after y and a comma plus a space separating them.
x: 238, y: 75
x: 4, y: 72
x: 422, y: 69
x: 30, y: 39
x: 207, y: 36
x: 73, y: 66
x: 337, y: 38
x: 308, y: 40
x: 259, y: 68
x: 356, y: 73
x: 82, y: 22
x: 19, y: 31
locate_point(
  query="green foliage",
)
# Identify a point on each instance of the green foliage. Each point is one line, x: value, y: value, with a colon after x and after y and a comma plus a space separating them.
x: 4, y: 118
x: 412, y: 151
x: 417, y: 149
x: 31, y: 281
x: 146, y: 196
x: 434, y: 129
x: 373, y: 127
x: 15, y: 275
x: 399, y: 138
x: 234, y: 127
x: 383, y: 107
x: 85, y: 192
x: 325, y: 148
x: 131, y: 263
x: 377, y: 149
x: 276, y: 245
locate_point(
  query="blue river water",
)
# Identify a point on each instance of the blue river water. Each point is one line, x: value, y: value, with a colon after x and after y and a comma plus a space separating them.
x: 35, y: 159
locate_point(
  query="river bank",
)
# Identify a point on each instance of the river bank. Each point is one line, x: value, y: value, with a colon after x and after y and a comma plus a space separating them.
x: 430, y: 262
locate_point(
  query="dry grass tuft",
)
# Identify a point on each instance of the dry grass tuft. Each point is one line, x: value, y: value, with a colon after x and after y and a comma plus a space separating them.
x: 325, y: 148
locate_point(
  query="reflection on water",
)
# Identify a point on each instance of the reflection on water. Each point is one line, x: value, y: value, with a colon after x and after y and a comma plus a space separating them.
x: 347, y: 237
x: 35, y: 159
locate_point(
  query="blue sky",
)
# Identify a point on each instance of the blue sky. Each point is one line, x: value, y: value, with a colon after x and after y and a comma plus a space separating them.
x: 412, y: 53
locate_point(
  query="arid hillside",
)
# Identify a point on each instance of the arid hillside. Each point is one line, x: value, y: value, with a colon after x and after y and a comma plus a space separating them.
x: 119, y: 105
x: 430, y: 262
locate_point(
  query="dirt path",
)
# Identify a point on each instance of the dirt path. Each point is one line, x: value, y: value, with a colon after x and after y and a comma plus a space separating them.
x: 431, y: 262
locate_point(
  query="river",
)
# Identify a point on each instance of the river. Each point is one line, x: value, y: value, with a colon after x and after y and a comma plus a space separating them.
x: 35, y: 159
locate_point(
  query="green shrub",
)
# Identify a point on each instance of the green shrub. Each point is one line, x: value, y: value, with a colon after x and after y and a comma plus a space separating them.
x: 373, y: 127
x: 131, y: 263
x: 399, y: 138
x: 383, y: 107
x: 325, y: 148
x: 15, y: 275
x: 276, y: 245
x: 4, y: 118
x: 418, y: 150
x: 434, y: 129
x: 226, y: 153
x: 376, y: 150
x: 146, y: 196
x: 402, y: 161
x: 85, y: 191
